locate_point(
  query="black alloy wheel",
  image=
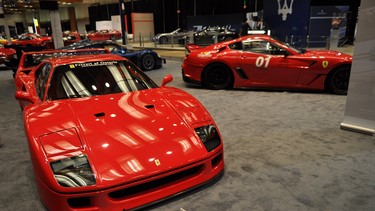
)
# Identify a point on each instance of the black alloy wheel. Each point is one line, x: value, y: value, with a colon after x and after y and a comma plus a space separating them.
x: 148, y: 62
x: 163, y: 40
x: 338, y: 80
x: 217, y: 76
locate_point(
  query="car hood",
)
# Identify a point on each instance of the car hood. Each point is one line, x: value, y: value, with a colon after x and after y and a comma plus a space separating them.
x: 159, y: 35
x: 46, y: 38
x: 327, y: 53
x: 130, y: 136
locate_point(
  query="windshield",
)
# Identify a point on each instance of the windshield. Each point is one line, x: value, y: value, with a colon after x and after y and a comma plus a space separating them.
x: 298, y: 50
x: 97, y: 78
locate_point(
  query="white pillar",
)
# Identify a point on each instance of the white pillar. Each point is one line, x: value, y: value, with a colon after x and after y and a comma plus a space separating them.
x: 56, y: 28
x: 360, y: 102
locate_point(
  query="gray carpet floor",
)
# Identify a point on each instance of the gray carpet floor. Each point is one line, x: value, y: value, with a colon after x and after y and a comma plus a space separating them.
x: 283, y: 151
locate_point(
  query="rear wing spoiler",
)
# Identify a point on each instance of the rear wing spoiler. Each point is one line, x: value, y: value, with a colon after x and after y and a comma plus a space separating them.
x: 192, y: 47
x: 32, y: 59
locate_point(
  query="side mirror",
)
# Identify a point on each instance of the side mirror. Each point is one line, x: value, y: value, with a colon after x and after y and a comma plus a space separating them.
x: 167, y: 79
x: 24, y: 96
x: 280, y: 51
x: 283, y: 52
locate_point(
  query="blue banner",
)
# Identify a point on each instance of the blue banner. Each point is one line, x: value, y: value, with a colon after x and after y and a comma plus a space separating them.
x: 287, y: 17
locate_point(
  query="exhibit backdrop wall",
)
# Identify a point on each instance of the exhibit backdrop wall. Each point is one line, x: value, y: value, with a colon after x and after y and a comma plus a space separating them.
x: 360, y: 104
x: 143, y: 26
x: 228, y: 21
x: 286, y: 17
x: 322, y: 20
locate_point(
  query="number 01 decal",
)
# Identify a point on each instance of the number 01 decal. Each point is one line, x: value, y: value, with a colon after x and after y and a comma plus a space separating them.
x: 262, y: 61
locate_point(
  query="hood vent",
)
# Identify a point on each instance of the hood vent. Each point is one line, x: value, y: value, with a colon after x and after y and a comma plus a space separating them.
x: 149, y: 106
x: 101, y: 114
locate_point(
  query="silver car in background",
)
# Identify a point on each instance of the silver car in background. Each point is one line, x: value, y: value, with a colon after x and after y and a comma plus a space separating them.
x: 165, y: 38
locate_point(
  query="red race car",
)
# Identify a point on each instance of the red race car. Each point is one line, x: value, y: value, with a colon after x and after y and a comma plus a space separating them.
x: 70, y: 37
x: 104, y: 136
x: 31, y: 39
x: 102, y: 35
x: 260, y: 61
x: 6, y: 55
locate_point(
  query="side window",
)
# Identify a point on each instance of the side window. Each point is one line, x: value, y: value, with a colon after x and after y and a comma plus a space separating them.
x: 236, y: 46
x: 264, y: 47
x: 41, y: 78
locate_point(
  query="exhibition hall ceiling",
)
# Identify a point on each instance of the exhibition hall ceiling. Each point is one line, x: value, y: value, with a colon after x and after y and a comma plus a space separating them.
x: 20, y: 6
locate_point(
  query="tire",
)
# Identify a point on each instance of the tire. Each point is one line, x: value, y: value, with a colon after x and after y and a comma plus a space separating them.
x: 217, y: 76
x: 148, y: 62
x: 163, y: 40
x: 338, y: 80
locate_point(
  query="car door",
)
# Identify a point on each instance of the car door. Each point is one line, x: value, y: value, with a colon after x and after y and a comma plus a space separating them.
x: 266, y: 64
x: 104, y: 35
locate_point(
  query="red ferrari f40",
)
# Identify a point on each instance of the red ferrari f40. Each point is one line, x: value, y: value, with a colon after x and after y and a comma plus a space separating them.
x: 103, y: 136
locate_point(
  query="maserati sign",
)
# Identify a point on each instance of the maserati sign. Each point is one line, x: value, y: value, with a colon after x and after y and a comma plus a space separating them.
x: 285, y: 9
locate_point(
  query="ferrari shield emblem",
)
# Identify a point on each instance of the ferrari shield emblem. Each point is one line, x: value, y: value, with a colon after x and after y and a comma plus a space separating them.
x: 325, y: 64
x: 157, y: 162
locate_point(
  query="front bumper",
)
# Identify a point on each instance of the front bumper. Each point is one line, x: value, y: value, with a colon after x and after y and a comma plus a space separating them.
x: 187, y: 79
x: 137, y: 194
x: 191, y: 73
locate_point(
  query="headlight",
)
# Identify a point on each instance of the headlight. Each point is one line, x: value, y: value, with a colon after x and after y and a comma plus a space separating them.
x: 209, y: 136
x: 73, y: 172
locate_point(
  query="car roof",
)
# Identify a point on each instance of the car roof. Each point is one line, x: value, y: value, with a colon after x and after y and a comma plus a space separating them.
x: 255, y: 36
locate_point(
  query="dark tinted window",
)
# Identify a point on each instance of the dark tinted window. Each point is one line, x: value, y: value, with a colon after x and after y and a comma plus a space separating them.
x: 41, y: 78
x: 236, y: 46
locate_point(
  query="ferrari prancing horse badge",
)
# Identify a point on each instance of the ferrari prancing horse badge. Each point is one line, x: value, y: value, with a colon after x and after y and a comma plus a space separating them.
x: 325, y: 64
